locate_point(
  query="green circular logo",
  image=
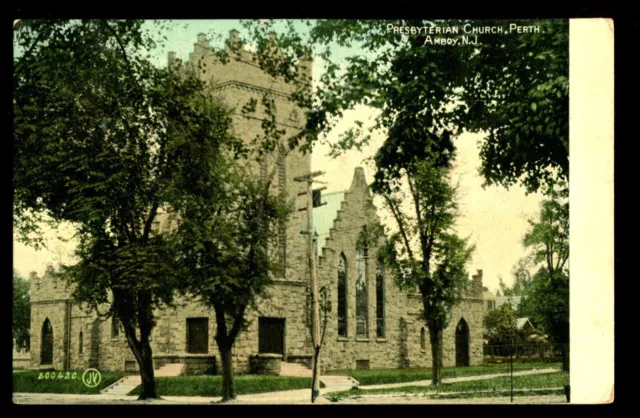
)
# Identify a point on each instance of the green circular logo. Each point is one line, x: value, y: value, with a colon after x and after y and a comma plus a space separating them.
x: 91, y: 378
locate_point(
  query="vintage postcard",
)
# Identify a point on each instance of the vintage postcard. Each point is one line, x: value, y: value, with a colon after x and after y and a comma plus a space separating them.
x: 275, y: 211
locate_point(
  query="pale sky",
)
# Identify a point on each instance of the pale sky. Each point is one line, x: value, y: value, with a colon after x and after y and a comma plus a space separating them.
x: 494, y: 217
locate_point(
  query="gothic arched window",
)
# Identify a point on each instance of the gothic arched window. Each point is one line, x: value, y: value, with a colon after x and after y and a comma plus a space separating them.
x: 379, y: 302
x: 46, y: 347
x: 362, y: 305
x: 80, y: 343
x: 423, y: 339
x: 342, y: 296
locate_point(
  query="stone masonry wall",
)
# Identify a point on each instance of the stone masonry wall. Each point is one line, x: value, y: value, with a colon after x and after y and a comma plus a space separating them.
x: 401, y: 346
x: 236, y: 83
x: 342, y: 352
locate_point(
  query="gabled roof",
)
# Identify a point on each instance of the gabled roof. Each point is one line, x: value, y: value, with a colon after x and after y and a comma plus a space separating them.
x: 323, y: 216
x: 521, y: 322
x: 488, y: 295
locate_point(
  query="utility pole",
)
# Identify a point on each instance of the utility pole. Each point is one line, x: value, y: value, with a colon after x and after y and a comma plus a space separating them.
x: 315, y: 310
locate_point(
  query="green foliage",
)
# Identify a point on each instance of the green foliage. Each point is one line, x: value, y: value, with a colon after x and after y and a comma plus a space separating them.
x: 548, y: 236
x: 228, y: 220
x: 21, y: 311
x: 547, y: 299
x: 501, y: 327
x: 426, y: 254
x: 224, y: 236
x: 547, y: 305
x: 512, y: 88
x: 212, y: 385
x: 522, y: 279
x: 99, y: 139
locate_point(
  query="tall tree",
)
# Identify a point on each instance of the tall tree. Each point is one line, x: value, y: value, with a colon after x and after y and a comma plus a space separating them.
x: 521, y: 279
x: 426, y: 253
x: 511, y: 86
x: 96, y: 126
x: 224, y: 238
x: 547, y: 301
x: 501, y: 326
x: 229, y: 221
x: 21, y: 311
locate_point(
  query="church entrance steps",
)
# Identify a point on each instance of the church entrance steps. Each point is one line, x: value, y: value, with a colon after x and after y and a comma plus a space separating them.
x: 122, y: 386
x: 330, y: 382
x: 294, y: 369
x: 129, y: 383
x: 171, y: 369
x: 339, y: 382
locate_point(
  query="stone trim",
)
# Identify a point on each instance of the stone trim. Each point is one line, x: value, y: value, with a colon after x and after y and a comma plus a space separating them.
x: 343, y: 339
x: 463, y: 299
x: 381, y: 340
x: 48, y: 302
x: 362, y: 339
x: 250, y: 87
x: 277, y: 122
x: 289, y: 283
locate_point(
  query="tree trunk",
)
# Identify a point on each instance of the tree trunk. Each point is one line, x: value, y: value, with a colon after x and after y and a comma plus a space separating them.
x: 144, y: 356
x: 435, y: 336
x: 147, y: 373
x: 565, y: 358
x: 228, y: 387
x: 141, y: 348
x: 315, y: 385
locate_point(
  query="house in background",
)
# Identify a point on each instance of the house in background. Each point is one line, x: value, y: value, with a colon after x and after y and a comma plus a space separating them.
x: 489, y: 300
x: 514, y: 301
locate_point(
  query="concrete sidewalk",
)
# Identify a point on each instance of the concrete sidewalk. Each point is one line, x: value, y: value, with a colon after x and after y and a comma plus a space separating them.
x: 458, y: 379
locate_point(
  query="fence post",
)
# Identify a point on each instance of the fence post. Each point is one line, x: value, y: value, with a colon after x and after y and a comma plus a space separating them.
x: 512, y: 372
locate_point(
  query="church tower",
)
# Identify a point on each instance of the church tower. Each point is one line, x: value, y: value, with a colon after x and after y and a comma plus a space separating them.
x: 239, y: 81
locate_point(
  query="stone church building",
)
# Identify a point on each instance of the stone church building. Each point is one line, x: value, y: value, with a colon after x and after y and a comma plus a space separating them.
x: 372, y: 324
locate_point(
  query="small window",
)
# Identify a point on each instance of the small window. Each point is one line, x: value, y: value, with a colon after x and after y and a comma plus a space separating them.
x: 423, y: 339
x: 80, y: 341
x: 115, y: 327
x: 363, y: 364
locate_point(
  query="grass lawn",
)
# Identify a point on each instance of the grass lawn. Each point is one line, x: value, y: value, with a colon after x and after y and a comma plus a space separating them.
x: 59, y: 382
x: 497, y: 386
x: 496, y: 394
x: 212, y: 385
x: 380, y: 376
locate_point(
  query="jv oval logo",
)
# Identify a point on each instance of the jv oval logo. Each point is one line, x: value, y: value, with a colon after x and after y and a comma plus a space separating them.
x: 91, y: 378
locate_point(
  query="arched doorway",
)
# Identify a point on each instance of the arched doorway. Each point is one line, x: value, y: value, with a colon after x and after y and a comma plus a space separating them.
x: 462, y: 344
x: 46, y: 348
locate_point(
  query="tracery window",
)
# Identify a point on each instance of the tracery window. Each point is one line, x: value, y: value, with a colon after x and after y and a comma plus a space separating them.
x: 380, y: 331
x: 362, y: 305
x: 342, y: 296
